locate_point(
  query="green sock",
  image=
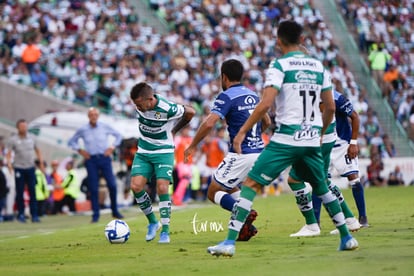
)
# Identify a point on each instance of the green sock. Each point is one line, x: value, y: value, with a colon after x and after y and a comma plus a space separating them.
x: 304, y: 201
x: 334, y: 210
x: 241, y: 210
x: 344, y: 206
x: 165, y: 212
x: 144, y: 203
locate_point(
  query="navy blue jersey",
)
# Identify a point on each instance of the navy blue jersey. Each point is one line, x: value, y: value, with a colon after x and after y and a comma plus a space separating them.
x: 235, y: 105
x: 344, y: 109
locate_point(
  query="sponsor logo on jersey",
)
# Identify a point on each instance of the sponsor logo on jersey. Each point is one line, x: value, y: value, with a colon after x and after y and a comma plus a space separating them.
x: 302, y: 76
x: 306, y: 133
x: 266, y: 177
x: 149, y: 129
x: 220, y: 101
x: 308, y: 63
x: 250, y: 103
x: 249, y: 100
x: 246, y: 107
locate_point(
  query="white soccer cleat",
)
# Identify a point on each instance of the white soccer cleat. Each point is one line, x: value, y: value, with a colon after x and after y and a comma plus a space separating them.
x: 352, y: 224
x: 348, y: 243
x: 309, y: 230
x: 225, y: 248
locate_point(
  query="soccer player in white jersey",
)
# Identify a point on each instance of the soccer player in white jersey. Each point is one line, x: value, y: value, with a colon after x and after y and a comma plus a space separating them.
x: 297, y: 83
x: 158, y: 120
x: 234, y: 105
x: 310, y: 206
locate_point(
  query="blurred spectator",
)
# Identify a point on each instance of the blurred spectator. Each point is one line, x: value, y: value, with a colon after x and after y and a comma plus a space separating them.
x: 21, y: 75
x: 71, y: 189
x: 395, y: 178
x: 361, y: 106
x: 378, y: 59
x: 51, y: 87
x: 183, y: 169
x: 17, y: 49
x: 370, y: 126
x: 375, y: 168
x: 392, y: 79
x: 128, y: 149
x: 42, y: 189
x: 39, y: 78
x: 404, y: 110
x: 56, y: 182
x: 66, y: 92
x: 213, y: 149
x: 31, y: 54
x: 389, y: 147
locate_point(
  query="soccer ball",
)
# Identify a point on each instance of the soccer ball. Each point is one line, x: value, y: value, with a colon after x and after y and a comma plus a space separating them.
x: 117, y: 231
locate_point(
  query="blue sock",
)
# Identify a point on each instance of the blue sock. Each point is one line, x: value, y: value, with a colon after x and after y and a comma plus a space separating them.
x: 317, y: 205
x: 227, y: 202
x: 358, y: 193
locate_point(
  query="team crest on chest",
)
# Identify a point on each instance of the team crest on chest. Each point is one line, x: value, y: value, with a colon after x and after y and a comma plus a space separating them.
x: 157, y: 115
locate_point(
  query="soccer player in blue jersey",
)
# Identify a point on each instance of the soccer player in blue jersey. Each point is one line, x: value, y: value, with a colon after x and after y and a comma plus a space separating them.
x: 344, y: 155
x: 234, y: 105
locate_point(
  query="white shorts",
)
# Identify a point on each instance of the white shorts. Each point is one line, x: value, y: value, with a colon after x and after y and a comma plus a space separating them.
x: 233, y: 170
x: 340, y: 161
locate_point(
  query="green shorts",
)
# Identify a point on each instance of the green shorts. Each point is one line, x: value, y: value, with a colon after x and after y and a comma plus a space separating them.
x: 326, y: 154
x: 276, y: 157
x: 146, y: 164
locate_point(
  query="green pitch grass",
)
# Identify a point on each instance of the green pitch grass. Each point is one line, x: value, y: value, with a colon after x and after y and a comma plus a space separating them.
x: 70, y: 245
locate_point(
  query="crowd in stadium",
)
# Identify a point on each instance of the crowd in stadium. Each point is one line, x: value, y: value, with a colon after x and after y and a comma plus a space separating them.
x: 92, y: 52
x: 387, y: 29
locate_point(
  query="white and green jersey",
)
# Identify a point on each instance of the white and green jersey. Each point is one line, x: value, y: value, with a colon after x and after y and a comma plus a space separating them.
x: 155, y: 126
x: 300, y: 80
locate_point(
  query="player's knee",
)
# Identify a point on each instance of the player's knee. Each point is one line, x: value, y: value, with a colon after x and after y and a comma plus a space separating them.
x: 162, y: 187
x: 136, y: 185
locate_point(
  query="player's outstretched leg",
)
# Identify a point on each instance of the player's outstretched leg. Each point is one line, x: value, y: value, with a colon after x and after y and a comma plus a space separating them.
x: 240, y: 212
